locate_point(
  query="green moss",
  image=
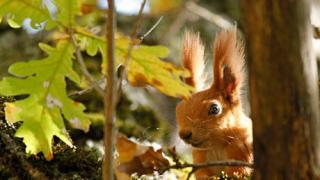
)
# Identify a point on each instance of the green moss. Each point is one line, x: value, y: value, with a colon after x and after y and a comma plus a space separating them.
x: 67, y: 163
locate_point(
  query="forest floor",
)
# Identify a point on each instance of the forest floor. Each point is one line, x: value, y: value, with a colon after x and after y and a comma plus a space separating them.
x: 68, y: 163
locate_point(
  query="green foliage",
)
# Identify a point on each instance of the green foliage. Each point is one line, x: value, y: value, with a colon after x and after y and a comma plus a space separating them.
x: 44, y: 83
x: 67, y: 10
x: 18, y: 10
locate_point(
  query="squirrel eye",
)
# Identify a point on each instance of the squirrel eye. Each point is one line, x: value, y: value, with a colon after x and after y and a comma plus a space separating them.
x: 215, y: 109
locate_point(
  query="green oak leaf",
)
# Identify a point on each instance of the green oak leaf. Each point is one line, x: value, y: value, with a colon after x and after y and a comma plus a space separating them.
x: 145, y: 66
x: 44, y: 83
x: 67, y: 10
x: 18, y: 10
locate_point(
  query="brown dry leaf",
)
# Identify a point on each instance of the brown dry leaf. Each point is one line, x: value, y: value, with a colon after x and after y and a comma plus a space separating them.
x: 137, y: 158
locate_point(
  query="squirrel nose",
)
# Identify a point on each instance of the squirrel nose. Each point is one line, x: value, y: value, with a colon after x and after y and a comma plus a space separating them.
x: 186, y: 135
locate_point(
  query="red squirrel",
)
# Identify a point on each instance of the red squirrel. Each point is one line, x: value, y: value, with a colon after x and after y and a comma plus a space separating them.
x: 212, y: 120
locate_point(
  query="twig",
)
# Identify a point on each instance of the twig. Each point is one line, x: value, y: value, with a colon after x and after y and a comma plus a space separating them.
x: 209, y: 164
x: 190, y: 173
x: 100, y: 82
x: 130, y: 47
x: 208, y: 15
x: 83, y: 66
x: 109, y: 99
x: 174, y: 155
x: 215, y: 163
x: 151, y: 29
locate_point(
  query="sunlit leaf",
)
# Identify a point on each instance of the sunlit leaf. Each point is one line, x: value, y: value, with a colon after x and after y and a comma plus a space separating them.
x: 41, y: 112
x: 18, y: 10
x: 13, y: 24
x: 91, y: 43
x: 145, y: 67
x: 67, y: 11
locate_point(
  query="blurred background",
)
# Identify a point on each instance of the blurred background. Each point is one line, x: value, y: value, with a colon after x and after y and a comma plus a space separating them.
x: 143, y: 113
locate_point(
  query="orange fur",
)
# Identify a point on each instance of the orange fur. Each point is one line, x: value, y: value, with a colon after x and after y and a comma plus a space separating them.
x: 227, y: 134
x: 229, y: 57
x: 193, y: 51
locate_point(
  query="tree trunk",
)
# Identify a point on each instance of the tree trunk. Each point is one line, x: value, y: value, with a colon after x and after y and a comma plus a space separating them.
x: 283, y: 83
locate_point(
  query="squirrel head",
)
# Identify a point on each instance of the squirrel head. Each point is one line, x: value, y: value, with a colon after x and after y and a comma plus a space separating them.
x: 204, y: 118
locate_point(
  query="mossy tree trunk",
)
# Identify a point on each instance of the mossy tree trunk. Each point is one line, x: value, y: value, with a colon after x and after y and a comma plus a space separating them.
x: 283, y: 84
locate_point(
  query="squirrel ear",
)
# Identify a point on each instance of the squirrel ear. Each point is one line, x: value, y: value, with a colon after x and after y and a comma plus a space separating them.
x: 192, y: 55
x: 228, y: 63
x: 229, y: 80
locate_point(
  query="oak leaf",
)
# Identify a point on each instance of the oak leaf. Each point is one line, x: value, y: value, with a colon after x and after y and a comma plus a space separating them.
x: 43, y: 81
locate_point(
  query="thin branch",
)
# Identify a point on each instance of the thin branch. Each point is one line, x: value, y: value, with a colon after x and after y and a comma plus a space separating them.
x: 109, y: 99
x: 83, y: 66
x: 174, y: 155
x: 130, y: 47
x: 208, y: 15
x: 151, y: 29
x: 101, y: 83
x: 190, y: 173
x: 209, y: 164
x: 138, y: 21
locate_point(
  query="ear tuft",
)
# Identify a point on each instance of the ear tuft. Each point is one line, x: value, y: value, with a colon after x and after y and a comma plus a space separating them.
x: 228, y: 62
x: 193, y: 52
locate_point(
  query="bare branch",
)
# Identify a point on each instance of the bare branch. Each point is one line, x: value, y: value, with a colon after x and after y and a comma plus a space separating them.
x: 130, y: 47
x: 101, y: 83
x: 194, y: 167
x: 109, y: 99
x: 209, y: 164
x: 208, y: 15
x: 151, y: 29
x: 83, y: 66
x: 190, y: 173
x: 172, y: 152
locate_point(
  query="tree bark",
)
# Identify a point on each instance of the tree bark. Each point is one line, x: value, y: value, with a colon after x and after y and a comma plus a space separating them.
x: 283, y: 84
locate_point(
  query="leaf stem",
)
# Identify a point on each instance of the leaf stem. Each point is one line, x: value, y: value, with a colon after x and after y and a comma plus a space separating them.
x: 83, y: 66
